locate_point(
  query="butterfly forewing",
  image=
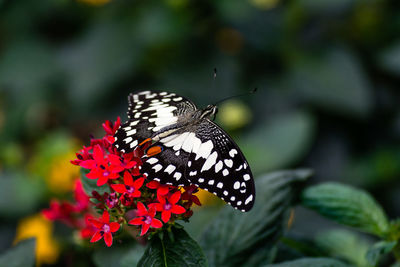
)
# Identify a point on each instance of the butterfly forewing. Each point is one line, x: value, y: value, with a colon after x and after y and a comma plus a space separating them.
x: 148, y: 112
x: 194, y: 150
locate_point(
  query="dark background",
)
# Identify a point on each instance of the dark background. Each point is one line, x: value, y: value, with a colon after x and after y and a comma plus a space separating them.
x: 327, y: 73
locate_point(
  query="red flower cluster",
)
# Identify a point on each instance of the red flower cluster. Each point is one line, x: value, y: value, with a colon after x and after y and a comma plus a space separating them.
x: 126, y: 192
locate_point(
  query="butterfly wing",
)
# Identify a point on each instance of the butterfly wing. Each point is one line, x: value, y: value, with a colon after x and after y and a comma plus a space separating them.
x: 149, y: 112
x: 206, y: 156
x: 217, y: 165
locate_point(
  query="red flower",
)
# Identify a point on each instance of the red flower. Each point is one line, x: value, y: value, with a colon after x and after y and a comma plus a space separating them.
x: 61, y: 211
x: 162, y: 190
x: 89, y: 230
x: 82, y: 155
x: 128, y: 162
x: 111, y: 128
x: 168, y: 206
x: 189, y: 195
x: 105, y: 228
x: 81, y: 199
x: 130, y: 187
x: 101, y: 167
x: 146, y: 218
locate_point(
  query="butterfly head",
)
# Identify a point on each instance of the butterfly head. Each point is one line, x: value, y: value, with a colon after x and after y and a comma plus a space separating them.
x: 209, y: 112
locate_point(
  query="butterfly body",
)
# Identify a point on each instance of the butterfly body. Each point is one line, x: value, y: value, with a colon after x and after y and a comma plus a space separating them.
x: 191, y: 148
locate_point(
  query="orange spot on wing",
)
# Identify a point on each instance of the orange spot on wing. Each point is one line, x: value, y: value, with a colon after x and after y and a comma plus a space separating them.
x: 145, y: 141
x: 154, y: 150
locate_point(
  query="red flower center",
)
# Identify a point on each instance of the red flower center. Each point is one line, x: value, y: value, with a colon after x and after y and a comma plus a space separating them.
x: 167, y: 206
x: 130, y: 189
x: 106, y: 228
x: 147, y: 219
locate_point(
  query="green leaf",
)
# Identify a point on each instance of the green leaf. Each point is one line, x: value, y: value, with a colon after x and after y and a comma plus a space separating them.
x: 115, y: 256
x: 19, y: 194
x: 235, y: 238
x: 279, y: 142
x: 307, y: 262
x: 182, y: 251
x: 379, y: 249
x: 90, y: 185
x: 22, y: 255
x: 344, y: 244
x: 347, y: 205
x: 333, y: 81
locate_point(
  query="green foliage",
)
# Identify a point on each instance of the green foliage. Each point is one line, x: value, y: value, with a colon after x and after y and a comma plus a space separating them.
x: 118, y: 256
x: 272, y: 144
x: 90, y: 185
x: 378, y: 250
x: 344, y: 244
x: 307, y: 262
x: 347, y: 205
x: 22, y: 255
x: 173, y: 249
x: 19, y: 194
x: 239, y: 239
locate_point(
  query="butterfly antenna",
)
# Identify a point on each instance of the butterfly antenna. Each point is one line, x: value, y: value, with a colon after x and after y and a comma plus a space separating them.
x: 234, y: 96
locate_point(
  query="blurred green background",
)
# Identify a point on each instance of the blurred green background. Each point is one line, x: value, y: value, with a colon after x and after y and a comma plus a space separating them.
x: 327, y: 73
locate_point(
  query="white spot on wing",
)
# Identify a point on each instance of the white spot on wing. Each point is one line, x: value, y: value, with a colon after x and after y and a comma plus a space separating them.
x: 133, y: 144
x: 128, y: 140
x: 248, y: 200
x: 210, y: 162
x: 201, y: 180
x: 225, y: 172
x: 211, y: 182
x: 131, y: 132
x: 204, y: 150
x: 170, y: 168
x: 236, y: 185
x: 220, y: 185
x: 157, y: 168
x: 152, y: 160
x: 228, y: 162
x: 246, y: 177
x: 219, y: 166
x: 232, y: 152
x: 177, y: 176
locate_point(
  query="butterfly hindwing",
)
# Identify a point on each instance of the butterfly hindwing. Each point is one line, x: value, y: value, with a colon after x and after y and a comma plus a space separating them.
x: 148, y: 112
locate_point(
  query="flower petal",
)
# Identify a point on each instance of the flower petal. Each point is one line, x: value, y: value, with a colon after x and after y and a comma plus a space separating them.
x: 156, y: 223
x: 175, y: 197
x: 95, y: 223
x: 163, y: 190
x: 120, y: 188
x: 145, y: 228
x: 88, y: 164
x: 176, y: 209
x: 136, y: 221
x: 128, y: 180
x: 96, y: 237
x: 98, y: 154
x: 141, y: 209
x: 106, y: 217
x: 153, y: 184
x: 138, y: 183
x: 114, y: 226
x: 165, y: 216
x: 102, y: 180
x: 108, y: 239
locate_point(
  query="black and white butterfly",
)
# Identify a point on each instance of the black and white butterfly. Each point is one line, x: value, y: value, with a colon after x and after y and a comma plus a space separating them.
x: 194, y: 150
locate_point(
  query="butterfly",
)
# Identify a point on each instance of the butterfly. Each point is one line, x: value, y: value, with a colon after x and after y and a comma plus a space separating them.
x: 187, y: 147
